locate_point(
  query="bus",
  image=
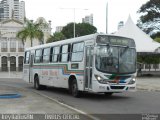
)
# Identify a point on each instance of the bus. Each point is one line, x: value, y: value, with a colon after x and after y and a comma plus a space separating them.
x: 96, y: 63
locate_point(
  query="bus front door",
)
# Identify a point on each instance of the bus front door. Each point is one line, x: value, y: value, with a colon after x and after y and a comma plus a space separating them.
x: 31, y: 69
x: 88, y: 67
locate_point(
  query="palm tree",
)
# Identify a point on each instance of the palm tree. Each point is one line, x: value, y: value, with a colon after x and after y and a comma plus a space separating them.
x: 31, y: 31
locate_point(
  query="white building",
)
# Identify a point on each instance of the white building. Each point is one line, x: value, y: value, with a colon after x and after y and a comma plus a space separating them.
x: 120, y: 25
x: 46, y: 30
x: 12, y: 9
x: 59, y: 28
x: 88, y: 19
x: 22, y: 10
x: 11, y: 48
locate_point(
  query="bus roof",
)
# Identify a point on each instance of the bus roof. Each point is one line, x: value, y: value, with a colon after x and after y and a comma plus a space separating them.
x: 66, y: 41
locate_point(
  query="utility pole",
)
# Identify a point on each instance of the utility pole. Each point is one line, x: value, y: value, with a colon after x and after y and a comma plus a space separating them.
x: 74, y: 13
x: 107, y: 18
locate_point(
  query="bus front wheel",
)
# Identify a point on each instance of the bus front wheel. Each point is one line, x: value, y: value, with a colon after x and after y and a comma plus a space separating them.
x: 74, y: 89
x: 37, y: 86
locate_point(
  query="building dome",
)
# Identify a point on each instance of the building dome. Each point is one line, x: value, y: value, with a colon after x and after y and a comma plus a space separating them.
x: 41, y: 19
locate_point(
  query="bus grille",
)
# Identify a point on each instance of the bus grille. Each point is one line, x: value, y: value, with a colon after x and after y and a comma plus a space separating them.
x: 117, y: 87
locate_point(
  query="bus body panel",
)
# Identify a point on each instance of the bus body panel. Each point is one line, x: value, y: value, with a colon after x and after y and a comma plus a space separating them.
x: 26, y: 74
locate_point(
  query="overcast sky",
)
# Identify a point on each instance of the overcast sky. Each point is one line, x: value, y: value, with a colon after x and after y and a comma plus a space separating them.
x: 118, y: 10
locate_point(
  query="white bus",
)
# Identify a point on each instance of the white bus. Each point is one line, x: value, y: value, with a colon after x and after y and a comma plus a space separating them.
x: 96, y: 63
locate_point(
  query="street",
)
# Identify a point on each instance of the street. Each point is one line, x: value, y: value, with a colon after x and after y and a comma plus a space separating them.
x: 139, y: 102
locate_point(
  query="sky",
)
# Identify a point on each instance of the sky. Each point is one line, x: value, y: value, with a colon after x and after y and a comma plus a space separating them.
x: 61, y: 12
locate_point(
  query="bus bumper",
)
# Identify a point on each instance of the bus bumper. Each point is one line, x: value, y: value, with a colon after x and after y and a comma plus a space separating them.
x: 97, y: 87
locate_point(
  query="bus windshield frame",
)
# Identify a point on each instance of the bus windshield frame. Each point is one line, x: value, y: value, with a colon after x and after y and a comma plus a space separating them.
x: 115, y: 57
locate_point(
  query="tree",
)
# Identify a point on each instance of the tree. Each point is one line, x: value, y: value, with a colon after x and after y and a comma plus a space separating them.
x: 31, y: 31
x: 57, y: 36
x: 81, y: 29
x: 156, y: 37
x: 150, y: 21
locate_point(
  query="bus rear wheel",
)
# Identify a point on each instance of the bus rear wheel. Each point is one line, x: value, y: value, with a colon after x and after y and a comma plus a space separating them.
x: 37, y: 86
x: 36, y: 83
x: 74, y: 89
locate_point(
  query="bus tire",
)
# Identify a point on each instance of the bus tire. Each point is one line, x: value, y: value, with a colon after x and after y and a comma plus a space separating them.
x: 74, y: 89
x: 37, y: 86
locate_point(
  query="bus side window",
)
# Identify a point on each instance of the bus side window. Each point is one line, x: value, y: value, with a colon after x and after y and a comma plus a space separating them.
x: 64, y: 53
x: 38, y: 56
x: 77, y: 52
x: 54, y: 54
x: 45, y: 55
x: 26, y: 59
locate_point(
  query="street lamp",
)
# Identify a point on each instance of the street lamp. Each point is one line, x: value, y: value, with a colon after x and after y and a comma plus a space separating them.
x: 74, y: 26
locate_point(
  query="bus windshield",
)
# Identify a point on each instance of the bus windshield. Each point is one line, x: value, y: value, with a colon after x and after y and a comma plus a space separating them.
x: 115, y: 59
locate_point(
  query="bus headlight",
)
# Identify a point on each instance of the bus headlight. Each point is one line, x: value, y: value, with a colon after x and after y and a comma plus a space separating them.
x: 101, y: 79
x: 132, y: 81
x: 98, y: 77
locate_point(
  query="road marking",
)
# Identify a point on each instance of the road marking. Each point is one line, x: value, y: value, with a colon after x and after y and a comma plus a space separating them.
x: 70, y: 107
x: 60, y: 103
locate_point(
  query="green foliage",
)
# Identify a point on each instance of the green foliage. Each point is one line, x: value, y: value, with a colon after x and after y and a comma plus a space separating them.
x: 57, y: 36
x: 81, y: 29
x: 149, y: 20
x: 31, y: 31
x: 149, y: 59
x: 157, y: 39
x: 68, y: 30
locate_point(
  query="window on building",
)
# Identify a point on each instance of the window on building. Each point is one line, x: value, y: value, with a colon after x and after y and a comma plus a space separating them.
x: 38, y: 56
x: 4, y: 63
x: 77, y: 52
x: 46, y: 55
x: 12, y: 45
x: 20, y: 63
x: 4, y: 46
x: 20, y: 46
x: 54, y: 54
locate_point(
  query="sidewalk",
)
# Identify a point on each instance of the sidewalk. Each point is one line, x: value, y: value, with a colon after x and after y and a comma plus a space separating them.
x: 33, y: 103
x: 11, y: 74
x: 29, y: 103
x: 148, y: 83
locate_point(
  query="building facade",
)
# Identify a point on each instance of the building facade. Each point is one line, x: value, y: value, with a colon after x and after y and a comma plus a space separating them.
x: 59, y: 28
x: 120, y: 25
x: 12, y: 9
x: 88, y: 19
x: 11, y: 48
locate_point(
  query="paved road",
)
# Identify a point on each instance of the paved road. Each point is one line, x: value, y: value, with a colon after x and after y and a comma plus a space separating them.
x: 148, y: 83
x: 32, y: 104
x: 139, y: 102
